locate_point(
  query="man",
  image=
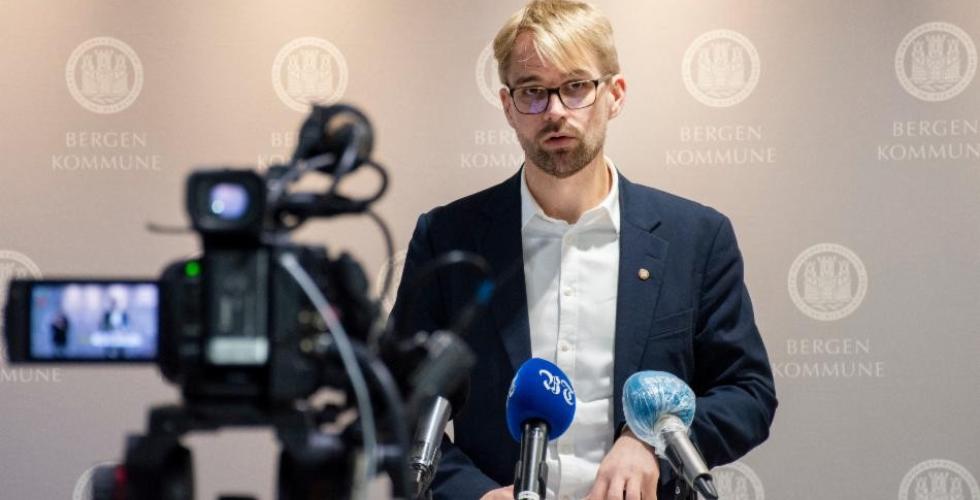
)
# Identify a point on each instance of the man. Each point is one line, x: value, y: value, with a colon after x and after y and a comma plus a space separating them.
x: 616, y: 278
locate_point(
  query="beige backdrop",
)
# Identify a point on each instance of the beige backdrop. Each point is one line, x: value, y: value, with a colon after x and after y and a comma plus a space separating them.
x: 842, y: 138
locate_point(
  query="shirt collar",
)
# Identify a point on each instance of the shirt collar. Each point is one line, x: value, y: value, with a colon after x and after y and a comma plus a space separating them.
x: 606, y: 213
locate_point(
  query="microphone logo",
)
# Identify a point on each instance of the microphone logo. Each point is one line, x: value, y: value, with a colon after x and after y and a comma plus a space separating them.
x: 556, y: 385
x: 540, y: 392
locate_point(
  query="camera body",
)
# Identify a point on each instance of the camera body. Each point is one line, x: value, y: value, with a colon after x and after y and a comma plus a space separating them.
x: 229, y: 327
x: 235, y: 325
x: 251, y: 328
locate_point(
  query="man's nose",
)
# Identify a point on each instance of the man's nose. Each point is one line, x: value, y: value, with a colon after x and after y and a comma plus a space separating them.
x: 556, y: 109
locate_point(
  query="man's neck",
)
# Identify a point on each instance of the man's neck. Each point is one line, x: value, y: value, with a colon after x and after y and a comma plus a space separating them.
x: 567, y: 199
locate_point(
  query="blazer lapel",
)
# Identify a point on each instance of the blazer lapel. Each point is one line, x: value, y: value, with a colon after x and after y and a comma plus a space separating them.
x: 638, y: 249
x: 641, y: 255
x: 503, y: 248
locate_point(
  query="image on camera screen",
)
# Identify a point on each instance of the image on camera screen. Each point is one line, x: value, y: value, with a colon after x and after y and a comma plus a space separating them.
x: 94, y: 321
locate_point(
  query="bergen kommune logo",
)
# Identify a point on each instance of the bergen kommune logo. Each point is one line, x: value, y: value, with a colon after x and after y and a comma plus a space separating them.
x: 721, y: 68
x: 308, y: 71
x: 104, y: 75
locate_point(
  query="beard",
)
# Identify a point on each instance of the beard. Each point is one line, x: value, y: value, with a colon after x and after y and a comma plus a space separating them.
x: 563, y: 162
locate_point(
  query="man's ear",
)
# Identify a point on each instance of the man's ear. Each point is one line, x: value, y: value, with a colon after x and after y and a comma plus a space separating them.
x: 617, y: 91
x: 508, y: 105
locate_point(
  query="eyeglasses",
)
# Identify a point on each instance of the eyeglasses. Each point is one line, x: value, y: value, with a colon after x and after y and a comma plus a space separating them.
x: 533, y: 100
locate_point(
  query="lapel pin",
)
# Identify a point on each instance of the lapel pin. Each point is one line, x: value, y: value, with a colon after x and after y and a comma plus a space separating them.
x: 644, y: 274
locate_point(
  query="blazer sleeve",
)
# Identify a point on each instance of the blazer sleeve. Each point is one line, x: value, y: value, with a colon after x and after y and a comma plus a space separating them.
x: 416, y: 309
x: 733, y: 380
x: 457, y: 478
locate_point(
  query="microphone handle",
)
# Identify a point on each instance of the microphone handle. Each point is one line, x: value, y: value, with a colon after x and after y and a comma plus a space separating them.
x: 687, y: 462
x: 424, y: 455
x: 531, y: 474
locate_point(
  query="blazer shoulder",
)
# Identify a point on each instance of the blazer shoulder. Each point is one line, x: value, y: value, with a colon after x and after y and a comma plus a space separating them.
x: 476, y: 205
x: 679, y: 211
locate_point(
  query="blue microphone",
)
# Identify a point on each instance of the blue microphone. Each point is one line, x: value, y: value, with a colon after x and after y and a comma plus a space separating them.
x: 540, y: 407
x: 659, y: 409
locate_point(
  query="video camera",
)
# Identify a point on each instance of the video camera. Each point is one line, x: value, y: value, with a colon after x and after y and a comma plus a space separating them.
x: 251, y: 329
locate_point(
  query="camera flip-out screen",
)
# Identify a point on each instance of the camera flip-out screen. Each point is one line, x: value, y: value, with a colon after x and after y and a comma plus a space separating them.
x: 93, y: 321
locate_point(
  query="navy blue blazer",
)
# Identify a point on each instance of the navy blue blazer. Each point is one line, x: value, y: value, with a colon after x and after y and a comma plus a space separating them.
x: 692, y: 317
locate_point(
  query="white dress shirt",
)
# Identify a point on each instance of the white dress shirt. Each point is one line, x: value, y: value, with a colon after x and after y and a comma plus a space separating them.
x: 571, y: 273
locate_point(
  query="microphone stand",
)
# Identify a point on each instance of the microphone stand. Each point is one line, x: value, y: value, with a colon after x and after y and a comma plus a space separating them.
x: 531, y: 474
x: 682, y: 491
x: 425, y: 455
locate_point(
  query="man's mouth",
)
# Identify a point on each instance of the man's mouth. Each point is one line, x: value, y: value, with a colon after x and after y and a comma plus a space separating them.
x: 559, y: 140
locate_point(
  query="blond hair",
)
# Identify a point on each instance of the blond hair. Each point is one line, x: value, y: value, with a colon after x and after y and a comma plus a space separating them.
x: 566, y: 33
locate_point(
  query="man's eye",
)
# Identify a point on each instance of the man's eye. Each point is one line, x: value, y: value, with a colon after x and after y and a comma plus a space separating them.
x: 576, y: 86
x: 533, y: 92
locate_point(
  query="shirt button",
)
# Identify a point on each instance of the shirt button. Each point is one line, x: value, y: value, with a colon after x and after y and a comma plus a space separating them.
x: 564, y: 347
x: 568, y: 291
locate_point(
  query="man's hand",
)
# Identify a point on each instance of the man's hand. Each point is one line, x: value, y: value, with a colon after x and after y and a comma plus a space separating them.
x: 505, y: 493
x: 629, y: 471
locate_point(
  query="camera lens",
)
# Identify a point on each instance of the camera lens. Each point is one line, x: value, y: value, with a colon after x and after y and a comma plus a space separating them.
x: 228, y: 201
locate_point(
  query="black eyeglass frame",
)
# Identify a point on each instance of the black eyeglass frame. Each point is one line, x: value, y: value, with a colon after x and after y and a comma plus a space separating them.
x: 556, y: 91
